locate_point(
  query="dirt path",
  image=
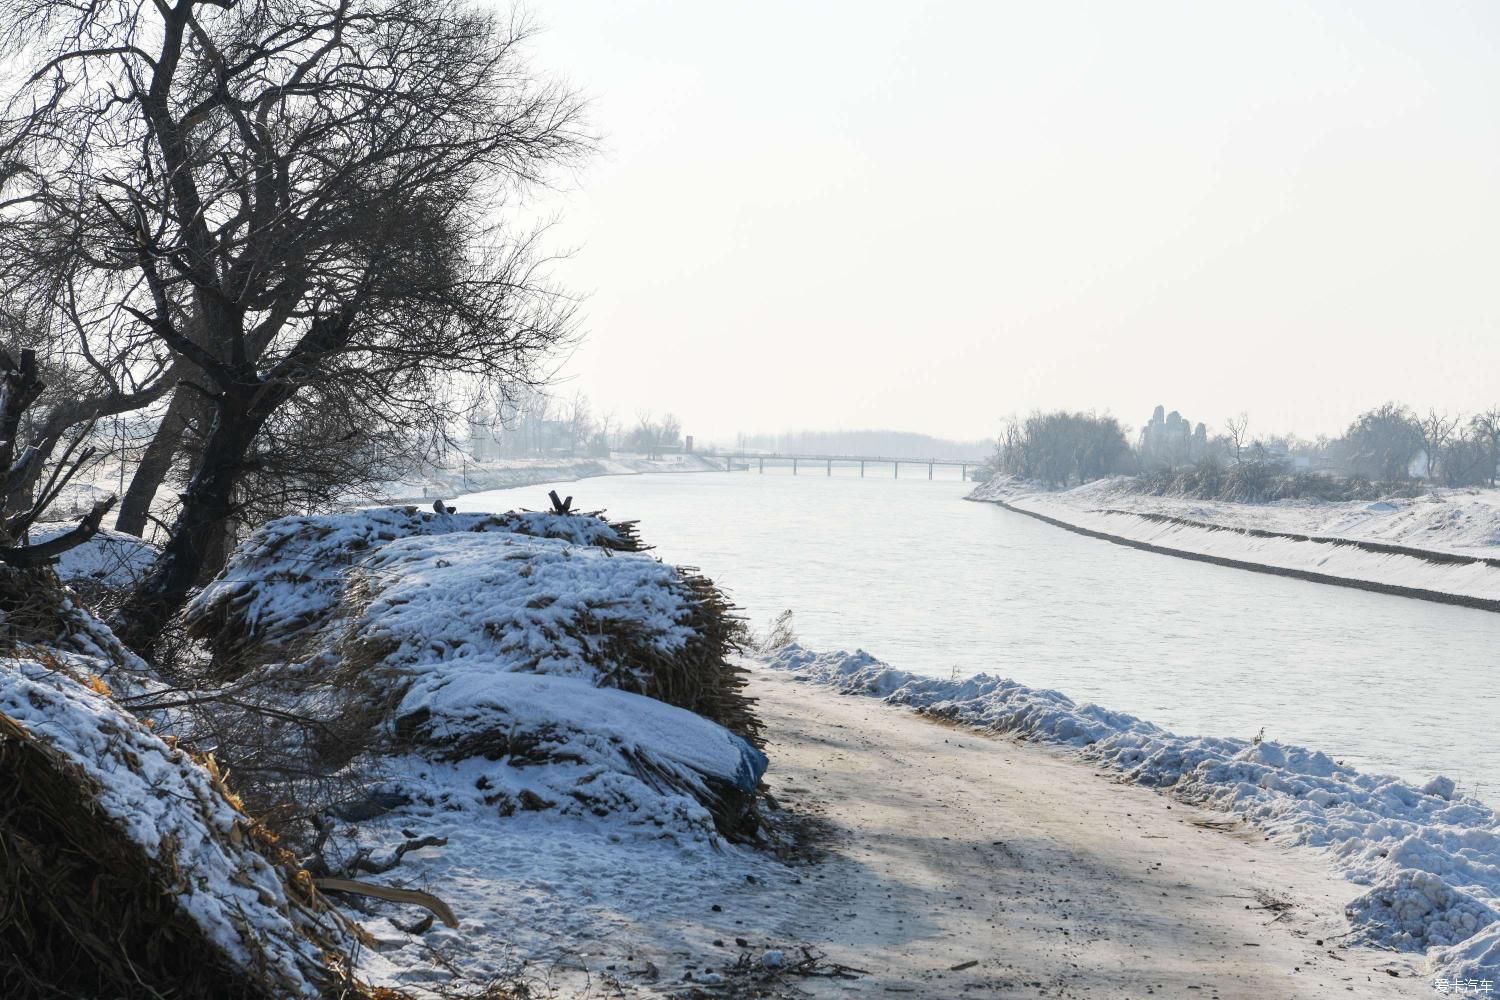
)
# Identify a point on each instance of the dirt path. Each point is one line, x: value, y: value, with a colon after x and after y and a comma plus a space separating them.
x: 952, y: 848
x: 954, y: 865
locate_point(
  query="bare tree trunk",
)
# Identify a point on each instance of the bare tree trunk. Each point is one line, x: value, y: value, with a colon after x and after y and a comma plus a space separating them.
x: 135, y: 510
x: 240, y: 411
x: 23, y: 488
x: 207, y: 505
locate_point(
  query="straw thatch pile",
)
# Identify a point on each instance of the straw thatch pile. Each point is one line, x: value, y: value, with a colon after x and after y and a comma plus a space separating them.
x: 37, y: 611
x: 369, y: 597
x: 287, y: 581
x: 129, y: 870
x: 371, y: 620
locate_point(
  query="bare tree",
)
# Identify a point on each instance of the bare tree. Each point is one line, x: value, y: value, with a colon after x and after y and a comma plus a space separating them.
x: 1485, y: 428
x: 669, y: 431
x: 607, y: 424
x: 1436, y: 430
x: 21, y: 386
x: 651, y: 436
x: 275, y: 197
x: 1238, y: 431
x: 1061, y: 448
x: 1464, y: 458
x: 580, y: 422
x: 1011, y: 456
x: 79, y: 383
x: 643, y: 438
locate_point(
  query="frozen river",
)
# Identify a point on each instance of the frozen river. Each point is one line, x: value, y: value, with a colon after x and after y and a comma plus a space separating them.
x: 911, y: 572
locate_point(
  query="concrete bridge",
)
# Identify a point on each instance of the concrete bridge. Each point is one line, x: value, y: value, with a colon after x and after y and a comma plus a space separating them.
x: 746, y: 460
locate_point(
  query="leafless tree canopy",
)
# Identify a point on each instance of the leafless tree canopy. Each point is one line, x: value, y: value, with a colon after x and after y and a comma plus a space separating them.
x: 1237, y: 429
x: 1062, y: 448
x: 21, y: 387
x: 266, y: 199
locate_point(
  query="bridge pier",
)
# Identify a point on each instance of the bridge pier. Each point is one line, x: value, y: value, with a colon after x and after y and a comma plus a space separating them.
x: 963, y: 472
x: 830, y: 467
x: 762, y: 467
x: 861, y: 470
x: 794, y: 466
x: 895, y: 470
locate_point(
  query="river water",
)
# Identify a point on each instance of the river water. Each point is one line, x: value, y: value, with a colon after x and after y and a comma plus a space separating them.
x: 916, y: 575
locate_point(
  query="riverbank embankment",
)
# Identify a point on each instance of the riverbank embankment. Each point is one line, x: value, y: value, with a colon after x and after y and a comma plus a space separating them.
x: 1437, y: 547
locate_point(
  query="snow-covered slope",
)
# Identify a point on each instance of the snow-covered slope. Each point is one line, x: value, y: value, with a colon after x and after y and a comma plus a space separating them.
x: 495, y: 743
x: 1429, y: 862
x: 543, y: 605
x: 1440, y: 546
x: 1459, y: 521
x: 172, y: 810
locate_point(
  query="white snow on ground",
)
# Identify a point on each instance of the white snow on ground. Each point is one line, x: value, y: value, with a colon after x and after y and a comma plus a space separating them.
x: 88, y: 645
x: 543, y: 897
x: 477, y: 702
x: 292, y: 573
x: 1461, y: 521
x: 539, y: 604
x: 111, y: 558
x: 504, y: 742
x: 956, y: 866
x: 1453, y: 521
x: 163, y: 801
x: 1430, y: 863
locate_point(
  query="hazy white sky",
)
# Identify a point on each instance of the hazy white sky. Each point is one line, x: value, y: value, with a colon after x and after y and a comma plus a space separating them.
x: 927, y: 215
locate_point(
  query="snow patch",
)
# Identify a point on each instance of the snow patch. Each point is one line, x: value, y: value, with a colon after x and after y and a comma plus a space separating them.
x: 110, y: 558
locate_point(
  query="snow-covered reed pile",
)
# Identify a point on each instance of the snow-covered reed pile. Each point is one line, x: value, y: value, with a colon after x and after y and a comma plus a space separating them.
x: 1430, y: 861
x: 287, y: 582
x: 420, y: 623
x: 128, y: 869
x: 38, y: 613
x: 499, y: 742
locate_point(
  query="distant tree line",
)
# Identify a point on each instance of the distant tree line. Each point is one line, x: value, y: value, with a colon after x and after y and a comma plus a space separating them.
x: 1062, y: 449
x: 531, y: 422
x: 1388, y: 448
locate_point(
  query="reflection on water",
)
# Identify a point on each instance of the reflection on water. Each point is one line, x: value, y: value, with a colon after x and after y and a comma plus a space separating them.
x: 911, y: 572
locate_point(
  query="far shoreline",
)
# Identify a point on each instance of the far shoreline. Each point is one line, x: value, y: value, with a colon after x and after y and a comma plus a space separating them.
x: 1215, y: 537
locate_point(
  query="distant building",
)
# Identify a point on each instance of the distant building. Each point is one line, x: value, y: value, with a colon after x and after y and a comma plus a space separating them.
x: 1168, y: 441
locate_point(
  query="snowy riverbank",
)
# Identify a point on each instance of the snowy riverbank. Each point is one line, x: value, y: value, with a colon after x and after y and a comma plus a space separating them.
x: 475, y: 477
x: 1426, y: 861
x: 943, y: 863
x: 1442, y: 546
